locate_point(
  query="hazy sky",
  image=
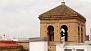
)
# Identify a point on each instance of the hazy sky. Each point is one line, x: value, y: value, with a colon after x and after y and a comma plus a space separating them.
x: 19, y: 18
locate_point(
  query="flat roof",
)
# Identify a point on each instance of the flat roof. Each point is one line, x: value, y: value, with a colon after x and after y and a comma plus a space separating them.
x: 77, y: 44
x: 38, y: 39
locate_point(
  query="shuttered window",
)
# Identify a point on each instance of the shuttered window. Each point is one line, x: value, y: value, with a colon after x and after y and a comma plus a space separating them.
x: 79, y: 49
x: 67, y: 49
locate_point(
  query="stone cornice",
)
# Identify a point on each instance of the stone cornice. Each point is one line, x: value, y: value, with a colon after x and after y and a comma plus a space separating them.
x: 63, y: 18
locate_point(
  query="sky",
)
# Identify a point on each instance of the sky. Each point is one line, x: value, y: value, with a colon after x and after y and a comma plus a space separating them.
x: 19, y: 18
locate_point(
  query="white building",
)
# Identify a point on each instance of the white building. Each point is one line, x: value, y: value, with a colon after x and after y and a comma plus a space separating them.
x: 74, y: 47
x: 38, y: 44
x: 41, y: 44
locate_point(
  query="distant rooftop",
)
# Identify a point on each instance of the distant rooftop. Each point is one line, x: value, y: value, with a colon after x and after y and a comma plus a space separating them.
x: 7, y: 43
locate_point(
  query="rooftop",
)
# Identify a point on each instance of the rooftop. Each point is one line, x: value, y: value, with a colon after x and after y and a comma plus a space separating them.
x: 77, y: 44
x: 60, y: 12
x: 9, y: 44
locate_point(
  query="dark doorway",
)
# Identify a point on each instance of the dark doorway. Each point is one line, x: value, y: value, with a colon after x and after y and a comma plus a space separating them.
x: 50, y: 33
x: 66, y: 33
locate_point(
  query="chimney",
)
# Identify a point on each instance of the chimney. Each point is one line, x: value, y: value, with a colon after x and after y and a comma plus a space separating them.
x: 62, y: 3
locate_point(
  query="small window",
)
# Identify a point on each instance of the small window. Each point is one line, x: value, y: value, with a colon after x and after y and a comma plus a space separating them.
x: 79, y: 49
x: 67, y: 49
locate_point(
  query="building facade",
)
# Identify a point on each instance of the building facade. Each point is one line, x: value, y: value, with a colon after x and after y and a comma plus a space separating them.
x: 62, y: 17
x: 38, y: 44
x: 74, y: 47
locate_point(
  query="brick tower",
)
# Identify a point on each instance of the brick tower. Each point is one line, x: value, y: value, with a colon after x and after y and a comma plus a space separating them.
x: 52, y: 21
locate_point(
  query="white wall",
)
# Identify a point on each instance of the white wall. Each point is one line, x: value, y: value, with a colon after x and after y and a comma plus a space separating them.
x: 89, y: 48
x: 38, y: 46
x: 59, y: 48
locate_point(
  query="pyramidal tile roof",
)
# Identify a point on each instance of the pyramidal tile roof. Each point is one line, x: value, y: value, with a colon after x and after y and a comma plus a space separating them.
x: 62, y: 11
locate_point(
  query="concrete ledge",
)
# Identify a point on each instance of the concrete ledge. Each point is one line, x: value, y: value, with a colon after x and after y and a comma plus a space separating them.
x: 38, y: 39
x: 23, y: 41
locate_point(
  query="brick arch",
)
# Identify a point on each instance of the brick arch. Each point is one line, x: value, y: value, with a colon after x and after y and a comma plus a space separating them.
x: 78, y: 34
x: 50, y: 33
x: 81, y: 34
x: 66, y: 33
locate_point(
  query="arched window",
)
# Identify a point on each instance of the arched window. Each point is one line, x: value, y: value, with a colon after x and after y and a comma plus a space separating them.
x: 81, y: 35
x: 50, y: 33
x: 78, y: 34
x: 66, y: 33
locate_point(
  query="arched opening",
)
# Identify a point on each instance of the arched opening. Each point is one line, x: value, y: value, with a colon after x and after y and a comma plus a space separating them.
x: 50, y: 33
x: 81, y: 35
x: 66, y: 33
x: 78, y: 34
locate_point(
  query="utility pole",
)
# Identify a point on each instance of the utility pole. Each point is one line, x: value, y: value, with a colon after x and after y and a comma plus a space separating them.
x: 90, y: 35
